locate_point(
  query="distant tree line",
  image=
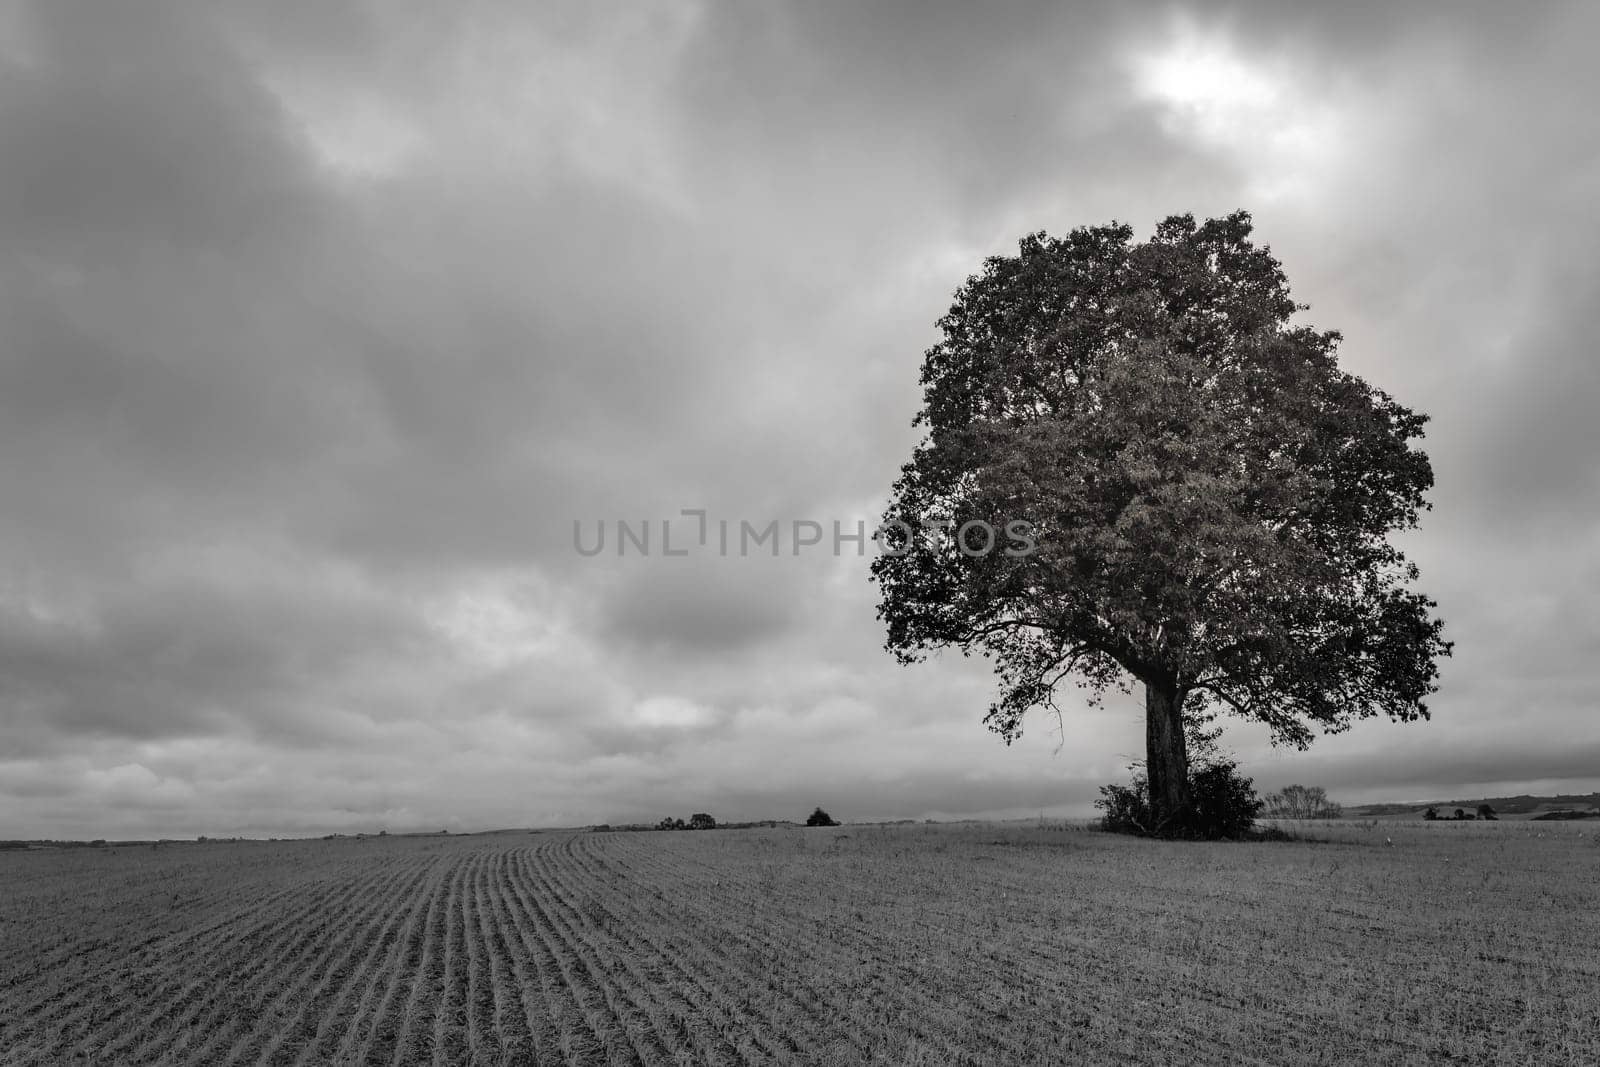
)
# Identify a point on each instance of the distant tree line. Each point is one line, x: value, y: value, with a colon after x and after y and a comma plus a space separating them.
x: 1461, y: 814
x: 701, y: 820
x: 1565, y: 814
x: 698, y: 821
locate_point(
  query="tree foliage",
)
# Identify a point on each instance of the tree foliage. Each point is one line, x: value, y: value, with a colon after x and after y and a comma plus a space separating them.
x: 1212, y: 496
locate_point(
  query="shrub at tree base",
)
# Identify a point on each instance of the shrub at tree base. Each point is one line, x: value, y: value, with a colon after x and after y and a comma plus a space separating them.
x: 1223, y: 805
x: 820, y: 818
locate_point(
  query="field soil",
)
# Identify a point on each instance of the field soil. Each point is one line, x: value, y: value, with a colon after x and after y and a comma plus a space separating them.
x: 1473, y: 943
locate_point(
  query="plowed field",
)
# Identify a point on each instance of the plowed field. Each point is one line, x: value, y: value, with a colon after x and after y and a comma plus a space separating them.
x: 910, y: 945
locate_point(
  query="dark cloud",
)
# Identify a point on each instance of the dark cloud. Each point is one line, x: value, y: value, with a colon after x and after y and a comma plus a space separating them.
x: 138, y: 131
x: 320, y: 325
x: 704, y: 604
x: 185, y: 657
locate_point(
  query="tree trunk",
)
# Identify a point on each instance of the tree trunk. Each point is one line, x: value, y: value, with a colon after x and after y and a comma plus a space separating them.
x: 1166, y: 755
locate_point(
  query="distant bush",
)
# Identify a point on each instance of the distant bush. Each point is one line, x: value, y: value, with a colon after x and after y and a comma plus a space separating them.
x: 1224, y: 806
x: 1486, y: 812
x: 1431, y: 814
x: 669, y: 823
x: 701, y: 821
x: 821, y: 818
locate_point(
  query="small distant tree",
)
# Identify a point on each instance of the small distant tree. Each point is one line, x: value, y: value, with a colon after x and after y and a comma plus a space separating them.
x: 669, y: 823
x: 1486, y: 812
x: 1432, y: 814
x: 1460, y: 814
x: 702, y: 821
x: 821, y: 818
x: 1302, y: 802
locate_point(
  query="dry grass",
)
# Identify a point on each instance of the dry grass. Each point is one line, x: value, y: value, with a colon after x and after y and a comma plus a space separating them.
x: 1376, y: 942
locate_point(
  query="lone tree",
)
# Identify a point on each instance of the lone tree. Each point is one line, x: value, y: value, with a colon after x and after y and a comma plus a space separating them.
x: 1210, y: 495
x: 820, y: 818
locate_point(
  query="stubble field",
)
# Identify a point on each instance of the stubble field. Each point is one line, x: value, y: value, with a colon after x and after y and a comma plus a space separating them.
x: 939, y: 945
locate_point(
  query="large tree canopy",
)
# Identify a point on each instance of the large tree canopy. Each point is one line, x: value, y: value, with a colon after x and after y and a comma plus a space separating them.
x: 1212, y: 497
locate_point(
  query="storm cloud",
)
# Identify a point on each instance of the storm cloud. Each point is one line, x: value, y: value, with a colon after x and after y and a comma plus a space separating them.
x: 320, y: 326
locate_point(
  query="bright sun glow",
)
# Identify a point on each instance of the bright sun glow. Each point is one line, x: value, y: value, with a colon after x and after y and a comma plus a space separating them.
x: 1207, y: 86
x: 1214, y: 95
x: 1204, y: 75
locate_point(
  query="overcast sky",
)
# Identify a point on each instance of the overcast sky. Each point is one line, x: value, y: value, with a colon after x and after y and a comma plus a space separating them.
x: 321, y: 324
